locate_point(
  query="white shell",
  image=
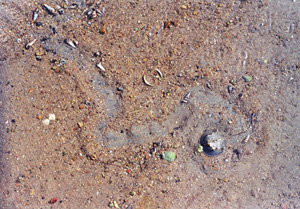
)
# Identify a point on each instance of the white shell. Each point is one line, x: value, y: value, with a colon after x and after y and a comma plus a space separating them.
x: 70, y: 43
x: 35, y: 15
x: 49, y: 9
x: 99, y: 65
x: 30, y: 44
x: 215, y: 142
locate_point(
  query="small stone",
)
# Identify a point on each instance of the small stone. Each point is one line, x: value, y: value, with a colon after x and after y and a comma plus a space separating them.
x: 110, y: 204
x: 46, y: 122
x: 116, y: 204
x: 169, y: 156
x: 80, y: 124
x: 39, y: 117
x: 233, y: 81
x: 183, y: 7
x: 247, y: 78
x: 39, y: 53
x: 102, y: 30
x: 198, y: 149
x: 51, y: 116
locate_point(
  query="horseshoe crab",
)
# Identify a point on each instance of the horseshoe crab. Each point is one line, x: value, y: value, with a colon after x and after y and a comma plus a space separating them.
x: 213, y: 144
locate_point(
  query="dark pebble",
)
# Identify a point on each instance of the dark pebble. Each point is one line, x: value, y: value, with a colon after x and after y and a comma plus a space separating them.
x: 38, y: 24
x: 44, y: 39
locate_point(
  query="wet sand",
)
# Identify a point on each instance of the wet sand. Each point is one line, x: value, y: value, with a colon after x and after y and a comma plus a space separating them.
x: 237, y: 60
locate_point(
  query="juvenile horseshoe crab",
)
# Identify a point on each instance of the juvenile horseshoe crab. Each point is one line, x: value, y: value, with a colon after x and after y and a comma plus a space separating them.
x: 213, y: 144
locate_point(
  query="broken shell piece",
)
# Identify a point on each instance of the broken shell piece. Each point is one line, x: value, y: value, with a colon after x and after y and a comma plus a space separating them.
x: 159, y: 73
x: 35, y: 15
x: 99, y: 65
x: 49, y: 9
x: 75, y: 42
x: 51, y: 116
x: 186, y: 98
x: 246, y: 139
x: 213, y: 144
x: 46, y: 122
x: 70, y: 43
x: 73, y: 6
x: 92, y: 14
x: 60, y: 10
x: 30, y: 44
x: 146, y: 82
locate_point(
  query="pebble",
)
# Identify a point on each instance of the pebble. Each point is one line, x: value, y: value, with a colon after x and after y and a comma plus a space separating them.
x: 169, y: 156
x: 51, y: 116
x: 80, y: 124
x: 247, y: 78
x: 183, y: 7
x: 46, y: 122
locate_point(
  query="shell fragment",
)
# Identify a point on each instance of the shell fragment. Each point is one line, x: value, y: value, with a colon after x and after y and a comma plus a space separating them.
x: 30, y: 44
x: 146, y: 82
x: 70, y: 43
x: 99, y: 65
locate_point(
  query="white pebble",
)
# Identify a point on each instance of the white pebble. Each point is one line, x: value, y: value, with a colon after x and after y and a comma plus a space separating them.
x: 46, y: 122
x: 51, y: 116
